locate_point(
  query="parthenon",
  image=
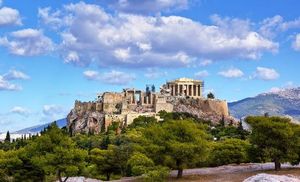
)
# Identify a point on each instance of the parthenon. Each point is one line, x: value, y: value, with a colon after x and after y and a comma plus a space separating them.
x: 185, y: 87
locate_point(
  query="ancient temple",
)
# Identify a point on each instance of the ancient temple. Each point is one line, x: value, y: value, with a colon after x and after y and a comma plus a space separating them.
x: 185, y: 87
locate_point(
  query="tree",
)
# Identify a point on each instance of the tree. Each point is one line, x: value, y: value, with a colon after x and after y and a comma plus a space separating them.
x: 105, y: 160
x: 176, y: 143
x: 210, y: 95
x: 273, y: 138
x: 55, y: 153
x: 229, y: 151
x: 139, y: 164
x: 7, y: 138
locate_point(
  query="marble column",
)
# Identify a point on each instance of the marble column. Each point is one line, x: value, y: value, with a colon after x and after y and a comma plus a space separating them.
x: 196, y: 94
x: 187, y: 90
x: 192, y: 90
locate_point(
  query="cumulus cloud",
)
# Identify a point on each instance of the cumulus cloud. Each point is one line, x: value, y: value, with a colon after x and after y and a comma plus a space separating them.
x: 148, y: 6
x: 201, y: 74
x: 113, y: 77
x: 27, y: 42
x: 6, y: 85
x: 232, y: 73
x: 20, y: 110
x: 270, y: 27
x: 9, y: 16
x: 5, y: 80
x: 52, y: 112
x: 266, y: 73
x: 296, y: 43
x: 15, y: 75
x: 52, y: 19
x: 93, y: 35
x: 206, y: 62
x: 153, y: 73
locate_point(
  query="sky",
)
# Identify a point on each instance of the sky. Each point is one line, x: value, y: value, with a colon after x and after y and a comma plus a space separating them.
x: 55, y: 52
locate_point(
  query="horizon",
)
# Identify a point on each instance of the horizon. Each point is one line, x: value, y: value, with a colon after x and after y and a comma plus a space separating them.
x: 53, y: 53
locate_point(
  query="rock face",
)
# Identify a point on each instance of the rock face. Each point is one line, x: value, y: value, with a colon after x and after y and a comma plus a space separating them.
x: 123, y: 107
x: 207, y: 109
x: 85, y: 117
x: 94, y: 117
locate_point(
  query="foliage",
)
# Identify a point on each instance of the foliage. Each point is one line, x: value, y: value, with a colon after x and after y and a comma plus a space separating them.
x: 229, y: 151
x: 139, y: 164
x: 157, y: 174
x: 177, y: 143
x: 105, y: 160
x: 55, y: 153
x: 7, y: 137
x: 273, y: 138
x: 210, y: 95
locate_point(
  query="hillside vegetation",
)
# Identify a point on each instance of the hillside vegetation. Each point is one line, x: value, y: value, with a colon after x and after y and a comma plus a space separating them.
x: 148, y: 148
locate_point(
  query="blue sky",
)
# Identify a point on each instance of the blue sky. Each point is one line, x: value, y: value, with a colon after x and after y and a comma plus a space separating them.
x: 55, y: 52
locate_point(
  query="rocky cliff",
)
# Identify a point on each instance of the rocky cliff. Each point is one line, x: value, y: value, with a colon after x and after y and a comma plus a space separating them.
x: 207, y: 109
x: 95, y: 117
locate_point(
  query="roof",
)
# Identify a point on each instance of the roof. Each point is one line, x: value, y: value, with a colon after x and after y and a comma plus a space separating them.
x: 184, y: 79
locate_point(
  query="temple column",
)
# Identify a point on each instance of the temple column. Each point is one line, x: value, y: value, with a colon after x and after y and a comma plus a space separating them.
x: 196, y: 94
x: 177, y: 90
x: 187, y: 90
x: 173, y: 90
x: 199, y: 91
x: 192, y: 90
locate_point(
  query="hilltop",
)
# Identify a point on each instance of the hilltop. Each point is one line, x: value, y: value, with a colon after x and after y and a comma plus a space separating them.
x: 285, y: 102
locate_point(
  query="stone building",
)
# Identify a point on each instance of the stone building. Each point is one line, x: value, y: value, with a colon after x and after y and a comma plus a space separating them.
x: 180, y: 95
x: 184, y: 87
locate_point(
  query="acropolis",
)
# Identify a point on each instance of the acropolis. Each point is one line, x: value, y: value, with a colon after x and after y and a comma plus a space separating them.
x: 180, y: 95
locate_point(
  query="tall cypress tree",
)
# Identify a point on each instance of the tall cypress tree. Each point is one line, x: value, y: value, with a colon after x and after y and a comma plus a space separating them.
x: 7, y: 138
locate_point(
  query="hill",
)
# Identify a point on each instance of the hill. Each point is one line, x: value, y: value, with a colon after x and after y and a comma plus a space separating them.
x: 285, y: 102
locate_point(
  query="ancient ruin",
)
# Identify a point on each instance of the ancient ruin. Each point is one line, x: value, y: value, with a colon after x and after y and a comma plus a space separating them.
x: 180, y: 95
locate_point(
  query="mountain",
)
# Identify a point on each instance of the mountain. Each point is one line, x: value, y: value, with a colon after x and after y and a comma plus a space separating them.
x: 36, y: 129
x: 285, y: 102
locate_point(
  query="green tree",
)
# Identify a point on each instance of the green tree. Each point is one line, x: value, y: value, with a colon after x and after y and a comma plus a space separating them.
x: 229, y: 151
x: 140, y: 164
x: 105, y: 160
x: 56, y: 153
x: 7, y: 137
x: 273, y: 138
x: 210, y: 95
x: 176, y: 143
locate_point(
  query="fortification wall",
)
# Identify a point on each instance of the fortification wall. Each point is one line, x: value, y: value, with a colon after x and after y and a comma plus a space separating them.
x: 112, y: 102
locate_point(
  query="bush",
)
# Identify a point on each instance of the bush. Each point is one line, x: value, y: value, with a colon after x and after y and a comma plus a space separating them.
x: 157, y: 174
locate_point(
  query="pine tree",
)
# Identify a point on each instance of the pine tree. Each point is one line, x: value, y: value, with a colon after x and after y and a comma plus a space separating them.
x: 7, y: 138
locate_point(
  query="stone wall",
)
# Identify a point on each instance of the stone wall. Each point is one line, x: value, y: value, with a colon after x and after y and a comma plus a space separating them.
x: 112, y: 102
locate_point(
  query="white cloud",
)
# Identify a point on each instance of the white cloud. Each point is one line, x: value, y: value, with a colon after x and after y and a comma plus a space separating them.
x: 113, y: 77
x: 232, y: 73
x: 93, y: 35
x: 9, y: 16
x: 206, y: 62
x: 52, y: 19
x: 271, y: 27
x: 296, y: 43
x: 27, y: 42
x: 266, y: 73
x: 15, y: 75
x: 52, y: 109
x: 201, y: 74
x: 153, y: 73
x: 148, y: 6
x: 91, y: 75
x: 6, y: 85
x: 20, y: 110
x: 53, y: 112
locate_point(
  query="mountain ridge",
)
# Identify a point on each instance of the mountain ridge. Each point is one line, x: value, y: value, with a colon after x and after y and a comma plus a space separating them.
x: 284, y: 102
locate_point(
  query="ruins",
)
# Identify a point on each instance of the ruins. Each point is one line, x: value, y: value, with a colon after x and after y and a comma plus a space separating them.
x: 180, y: 95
